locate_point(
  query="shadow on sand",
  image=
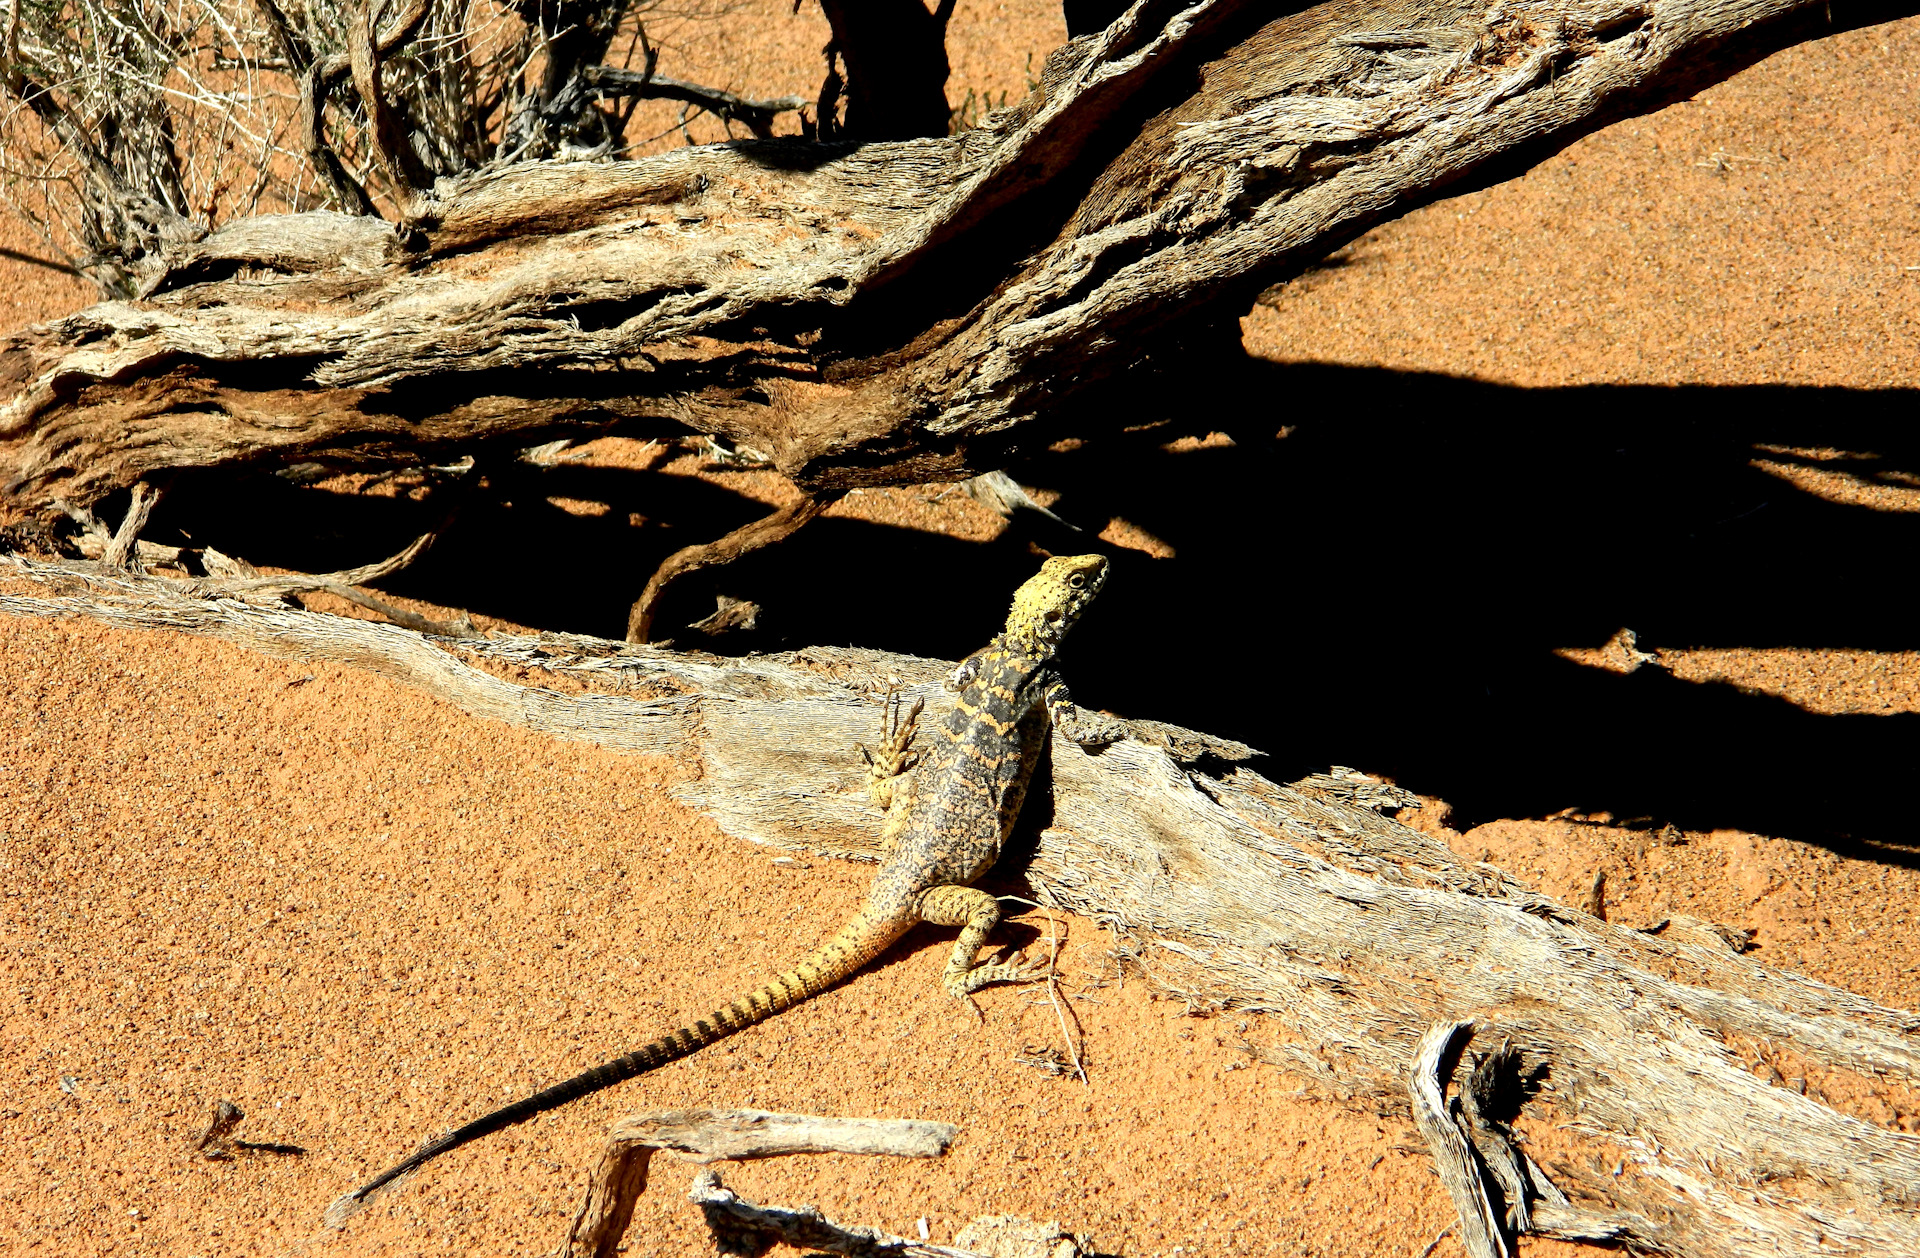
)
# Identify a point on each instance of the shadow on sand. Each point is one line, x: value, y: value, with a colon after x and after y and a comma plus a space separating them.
x: 1382, y: 586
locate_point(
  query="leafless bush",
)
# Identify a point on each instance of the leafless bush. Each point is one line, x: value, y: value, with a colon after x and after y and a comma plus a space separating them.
x: 129, y: 123
x: 127, y: 126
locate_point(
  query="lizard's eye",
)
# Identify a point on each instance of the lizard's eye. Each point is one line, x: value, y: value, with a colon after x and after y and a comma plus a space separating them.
x: 1076, y: 580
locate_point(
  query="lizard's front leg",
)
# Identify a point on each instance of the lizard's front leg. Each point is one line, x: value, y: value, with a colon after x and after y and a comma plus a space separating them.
x: 1077, y: 725
x: 896, y: 756
x: 976, y: 913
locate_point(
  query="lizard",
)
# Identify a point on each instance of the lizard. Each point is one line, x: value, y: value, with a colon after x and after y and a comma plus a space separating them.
x: 946, y: 824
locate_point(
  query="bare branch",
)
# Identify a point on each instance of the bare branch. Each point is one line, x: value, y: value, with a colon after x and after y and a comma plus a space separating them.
x: 304, y: 583
x: 743, y: 540
x: 120, y: 552
x: 756, y: 115
x: 727, y: 1135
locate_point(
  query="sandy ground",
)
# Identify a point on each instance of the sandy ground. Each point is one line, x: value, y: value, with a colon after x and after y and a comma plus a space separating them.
x: 361, y: 915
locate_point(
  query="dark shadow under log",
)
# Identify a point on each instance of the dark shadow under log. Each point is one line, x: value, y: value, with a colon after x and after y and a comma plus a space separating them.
x: 748, y: 537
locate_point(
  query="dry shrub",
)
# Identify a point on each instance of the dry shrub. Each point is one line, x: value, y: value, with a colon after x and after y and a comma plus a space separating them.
x: 130, y: 125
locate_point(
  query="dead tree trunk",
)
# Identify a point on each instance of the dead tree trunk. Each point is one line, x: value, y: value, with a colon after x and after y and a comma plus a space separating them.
x: 1618, y: 1085
x: 876, y: 314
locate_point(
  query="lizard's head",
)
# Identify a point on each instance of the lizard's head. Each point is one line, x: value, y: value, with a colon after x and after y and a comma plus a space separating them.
x: 1052, y: 600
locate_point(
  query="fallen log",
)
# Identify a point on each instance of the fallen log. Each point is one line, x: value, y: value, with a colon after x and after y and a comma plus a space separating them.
x: 886, y: 313
x: 1634, y: 1086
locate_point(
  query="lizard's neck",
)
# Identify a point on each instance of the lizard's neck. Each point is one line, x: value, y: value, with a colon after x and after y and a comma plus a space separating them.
x: 1035, y: 638
x: 1025, y: 650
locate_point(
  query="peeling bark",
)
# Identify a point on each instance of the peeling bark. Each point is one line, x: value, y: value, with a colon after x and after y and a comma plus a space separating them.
x: 887, y: 313
x: 1653, y: 1054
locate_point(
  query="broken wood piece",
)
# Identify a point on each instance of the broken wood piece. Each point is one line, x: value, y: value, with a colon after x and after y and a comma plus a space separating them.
x: 1001, y: 494
x: 612, y: 1192
x: 150, y: 554
x: 221, y: 565
x: 730, y: 613
x: 1011, y: 1236
x: 748, y: 537
x: 738, y: 1135
x: 95, y: 537
x: 706, y: 1135
x: 1597, y: 894
x: 1481, y: 1233
x: 1701, y: 933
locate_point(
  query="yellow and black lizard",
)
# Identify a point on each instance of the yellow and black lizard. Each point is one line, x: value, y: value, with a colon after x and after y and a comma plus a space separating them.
x: 945, y: 827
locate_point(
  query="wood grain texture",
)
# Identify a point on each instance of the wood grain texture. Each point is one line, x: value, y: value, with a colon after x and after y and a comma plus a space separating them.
x: 1352, y: 933
x: 876, y: 314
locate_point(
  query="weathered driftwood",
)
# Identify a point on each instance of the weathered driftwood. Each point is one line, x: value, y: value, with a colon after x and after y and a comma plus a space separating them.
x: 740, y: 1135
x: 887, y: 313
x: 706, y: 1135
x: 1666, y: 1062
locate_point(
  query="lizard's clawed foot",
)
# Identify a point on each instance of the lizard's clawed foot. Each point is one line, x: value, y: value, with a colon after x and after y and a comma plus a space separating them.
x: 1018, y: 970
x: 896, y: 755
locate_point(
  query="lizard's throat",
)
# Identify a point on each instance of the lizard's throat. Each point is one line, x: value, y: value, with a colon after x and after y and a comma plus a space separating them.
x: 1039, y: 640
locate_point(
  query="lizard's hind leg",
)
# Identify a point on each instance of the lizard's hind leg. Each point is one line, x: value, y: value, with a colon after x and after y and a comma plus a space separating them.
x: 976, y: 913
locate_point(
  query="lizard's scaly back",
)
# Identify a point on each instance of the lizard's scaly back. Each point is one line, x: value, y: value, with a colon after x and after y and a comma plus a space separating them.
x: 1052, y: 600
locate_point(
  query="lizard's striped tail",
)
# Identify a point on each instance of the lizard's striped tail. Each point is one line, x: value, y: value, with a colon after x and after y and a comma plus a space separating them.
x: 856, y: 944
